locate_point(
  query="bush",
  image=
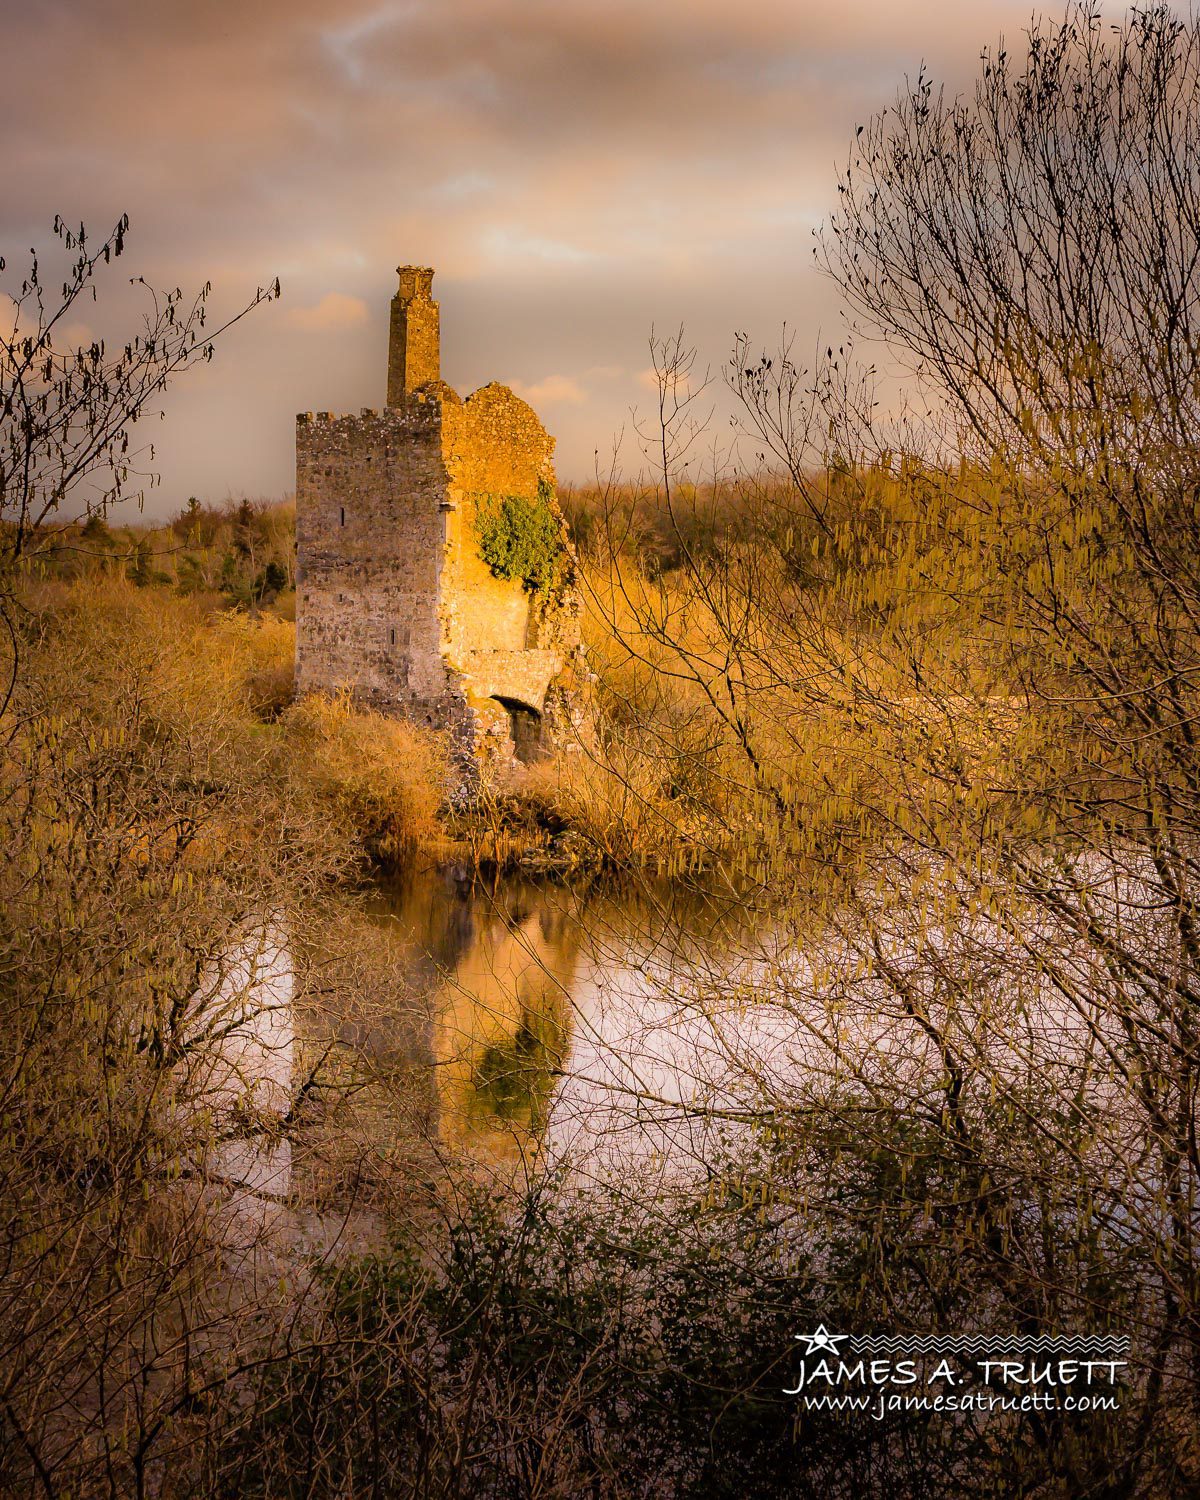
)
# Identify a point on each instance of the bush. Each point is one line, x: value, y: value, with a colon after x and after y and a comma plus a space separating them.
x: 548, y: 1347
x: 522, y: 538
x: 382, y: 778
x: 145, y: 827
x: 267, y: 648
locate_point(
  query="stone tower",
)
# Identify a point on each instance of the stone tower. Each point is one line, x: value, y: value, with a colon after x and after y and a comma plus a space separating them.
x: 414, y: 355
x: 394, y: 601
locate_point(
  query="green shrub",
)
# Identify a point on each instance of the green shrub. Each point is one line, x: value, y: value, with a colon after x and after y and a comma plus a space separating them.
x: 522, y: 538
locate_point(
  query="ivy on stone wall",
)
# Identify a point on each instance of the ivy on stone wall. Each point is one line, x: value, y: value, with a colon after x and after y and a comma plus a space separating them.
x: 522, y: 538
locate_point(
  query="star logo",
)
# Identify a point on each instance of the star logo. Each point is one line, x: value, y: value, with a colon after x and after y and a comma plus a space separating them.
x: 822, y: 1339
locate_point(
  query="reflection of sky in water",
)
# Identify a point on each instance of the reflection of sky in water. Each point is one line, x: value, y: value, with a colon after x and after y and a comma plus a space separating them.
x: 238, y: 1074
x: 575, y: 1022
x: 629, y: 1035
x: 672, y: 1047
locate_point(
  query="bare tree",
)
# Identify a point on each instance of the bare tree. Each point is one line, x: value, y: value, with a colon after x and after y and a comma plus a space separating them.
x: 68, y: 414
x: 954, y: 677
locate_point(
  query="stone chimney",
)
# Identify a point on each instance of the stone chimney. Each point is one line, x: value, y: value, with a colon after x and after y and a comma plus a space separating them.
x: 413, y: 347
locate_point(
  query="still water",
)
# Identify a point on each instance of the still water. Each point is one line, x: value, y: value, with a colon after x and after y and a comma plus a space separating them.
x: 591, y: 1026
x: 634, y: 1031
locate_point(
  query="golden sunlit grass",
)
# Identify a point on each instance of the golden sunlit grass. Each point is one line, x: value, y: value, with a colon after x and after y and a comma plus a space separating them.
x: 265, y: 651
x: 381, y: 776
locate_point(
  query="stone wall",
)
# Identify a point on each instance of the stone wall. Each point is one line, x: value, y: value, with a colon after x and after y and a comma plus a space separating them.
x: 414, y: 338
x: 493, y: 444
x: 371, y: 545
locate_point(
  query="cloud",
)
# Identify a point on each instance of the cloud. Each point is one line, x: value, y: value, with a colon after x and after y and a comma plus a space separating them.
x: 511, y: 242
x: 577, y: 173
x: 551, y: 390
x: 335, y: 310
x: 19, y: 321
x: 74, y: 336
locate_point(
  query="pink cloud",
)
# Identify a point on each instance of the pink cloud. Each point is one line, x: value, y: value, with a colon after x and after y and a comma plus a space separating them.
x: 334, y: 310
x: 551, y: 390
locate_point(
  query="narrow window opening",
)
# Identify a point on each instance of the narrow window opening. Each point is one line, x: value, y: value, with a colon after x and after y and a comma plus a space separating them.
x: 343, y: 515
x: 393, y: 635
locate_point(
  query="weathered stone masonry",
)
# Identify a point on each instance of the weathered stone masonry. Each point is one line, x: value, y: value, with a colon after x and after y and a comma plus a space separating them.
x: 393, y: 600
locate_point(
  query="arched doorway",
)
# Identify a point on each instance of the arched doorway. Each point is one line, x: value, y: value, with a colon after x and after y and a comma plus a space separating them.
x: 525, y: 726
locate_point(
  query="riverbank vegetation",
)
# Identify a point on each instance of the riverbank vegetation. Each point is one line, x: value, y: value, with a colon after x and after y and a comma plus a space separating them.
x: 920, y: 696
x: 642, y: 795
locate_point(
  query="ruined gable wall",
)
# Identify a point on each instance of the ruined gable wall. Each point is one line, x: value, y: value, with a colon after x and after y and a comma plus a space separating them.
x: 493, y: 444
x: 371, y: 538
x: 394, y: 601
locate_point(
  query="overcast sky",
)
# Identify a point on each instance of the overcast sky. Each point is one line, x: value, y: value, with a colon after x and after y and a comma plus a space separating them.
x: 575, y: 170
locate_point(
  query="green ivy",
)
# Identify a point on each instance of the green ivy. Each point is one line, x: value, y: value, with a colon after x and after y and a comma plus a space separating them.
x: 522, y: 538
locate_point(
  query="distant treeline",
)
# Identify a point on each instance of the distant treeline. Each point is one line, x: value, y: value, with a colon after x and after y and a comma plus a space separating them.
x: 241, y: 553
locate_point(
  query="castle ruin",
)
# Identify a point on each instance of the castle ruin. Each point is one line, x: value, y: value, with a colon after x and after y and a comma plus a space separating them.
x: 394, y: 598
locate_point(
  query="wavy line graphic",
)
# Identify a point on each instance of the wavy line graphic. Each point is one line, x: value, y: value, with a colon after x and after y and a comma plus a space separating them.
x: 1096, y: 1346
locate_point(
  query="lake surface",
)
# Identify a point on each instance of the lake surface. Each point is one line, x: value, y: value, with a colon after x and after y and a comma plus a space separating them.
x: 589, y: 1029
x: 636, y: 1031
x: 569, y: 1024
